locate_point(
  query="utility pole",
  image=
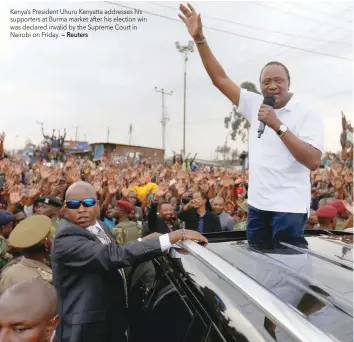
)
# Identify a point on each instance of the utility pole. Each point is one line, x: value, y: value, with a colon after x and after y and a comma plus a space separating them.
x: 225, y: 146
x: 108, y: 132
x: 130, y: 133
x: 185, y: 49
x: 76, y: 132
x: 15, y: 140
x: 41, y: 124
x: 164, y: 118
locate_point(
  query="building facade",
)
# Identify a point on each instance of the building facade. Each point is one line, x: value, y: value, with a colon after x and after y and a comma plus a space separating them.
x: 124, y: 153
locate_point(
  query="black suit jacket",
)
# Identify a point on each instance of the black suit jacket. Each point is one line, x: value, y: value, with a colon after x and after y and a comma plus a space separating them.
x: 156, y: 223
x: 191, y: 219
x: 90, y: 288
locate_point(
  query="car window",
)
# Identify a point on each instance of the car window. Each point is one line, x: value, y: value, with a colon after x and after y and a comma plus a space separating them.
x: 170, y: 313
x: 169, y: 317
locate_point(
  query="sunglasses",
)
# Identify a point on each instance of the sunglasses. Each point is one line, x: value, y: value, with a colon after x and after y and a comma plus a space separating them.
x: 75, y: 204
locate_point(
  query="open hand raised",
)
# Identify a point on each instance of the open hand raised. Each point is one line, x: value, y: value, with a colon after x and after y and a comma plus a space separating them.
x: 192, y: 21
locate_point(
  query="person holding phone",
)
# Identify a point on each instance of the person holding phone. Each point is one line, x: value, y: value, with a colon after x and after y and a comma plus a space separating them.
x: 198, y: 215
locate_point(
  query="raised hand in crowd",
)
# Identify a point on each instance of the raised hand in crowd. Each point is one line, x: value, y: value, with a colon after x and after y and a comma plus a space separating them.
x: 97, y: 184
x: 161, y: 190
x: 15, y: 195
x: 34, y: 191
x: 54, y: 176
x: 45, y: 172
x: 113, y: 187
x: 181, y: 189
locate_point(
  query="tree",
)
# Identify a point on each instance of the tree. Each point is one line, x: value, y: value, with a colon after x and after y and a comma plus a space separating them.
x: 238, y: 124
x: 234, y: 155
x: 224, y: 150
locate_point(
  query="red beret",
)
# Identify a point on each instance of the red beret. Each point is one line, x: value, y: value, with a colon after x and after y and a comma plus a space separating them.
x: 339, y: 205
x: 327, y: 211
x: 125, y: 206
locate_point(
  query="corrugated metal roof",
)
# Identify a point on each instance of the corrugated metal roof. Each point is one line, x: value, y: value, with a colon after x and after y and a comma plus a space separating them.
x: 110, y: 143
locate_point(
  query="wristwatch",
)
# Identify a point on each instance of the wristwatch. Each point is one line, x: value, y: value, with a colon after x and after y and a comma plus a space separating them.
x: 282, y: 131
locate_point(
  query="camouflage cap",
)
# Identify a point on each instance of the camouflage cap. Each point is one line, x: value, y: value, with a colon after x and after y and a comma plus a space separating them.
x: 244, y: 206
x: 30, y: 232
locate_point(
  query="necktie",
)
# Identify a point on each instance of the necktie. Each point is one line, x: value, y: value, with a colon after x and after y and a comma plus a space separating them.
x: 100, y: 234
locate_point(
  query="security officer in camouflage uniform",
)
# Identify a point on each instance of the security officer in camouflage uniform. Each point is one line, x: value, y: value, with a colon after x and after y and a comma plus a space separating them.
x: 125, y: 230
x: 242, y: 213
x: 6, y: 225
x: 32, y: 236
x: 50, y: 206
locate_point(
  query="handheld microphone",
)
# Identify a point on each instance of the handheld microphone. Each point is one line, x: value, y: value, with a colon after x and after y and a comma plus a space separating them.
x: 269, y: 101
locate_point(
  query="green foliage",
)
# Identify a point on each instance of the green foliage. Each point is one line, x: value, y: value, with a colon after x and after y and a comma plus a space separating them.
x: 236, y: 122
x: 223, y: 149
x: 234, y: 154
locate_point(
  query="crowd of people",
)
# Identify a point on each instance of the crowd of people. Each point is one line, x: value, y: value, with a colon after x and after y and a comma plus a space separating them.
x: 140, y: 199
x: 135, y: 201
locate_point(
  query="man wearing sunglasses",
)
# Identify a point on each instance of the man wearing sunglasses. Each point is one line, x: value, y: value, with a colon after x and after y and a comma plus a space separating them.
x: 87, y: 269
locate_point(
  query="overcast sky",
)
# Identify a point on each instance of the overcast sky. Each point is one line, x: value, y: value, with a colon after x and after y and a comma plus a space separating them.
x: 108, y: 79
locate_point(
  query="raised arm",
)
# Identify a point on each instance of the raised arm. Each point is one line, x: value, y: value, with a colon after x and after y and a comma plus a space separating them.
x: 45, y: 136
x: 215, y: 71
x: 192, y: 161
x: 63, y: 137
x: 2, y: 139
x: 76, y: 251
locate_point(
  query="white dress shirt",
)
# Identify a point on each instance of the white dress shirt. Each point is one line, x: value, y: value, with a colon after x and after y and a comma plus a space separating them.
x: 98, y: 231
x: 28, y: 210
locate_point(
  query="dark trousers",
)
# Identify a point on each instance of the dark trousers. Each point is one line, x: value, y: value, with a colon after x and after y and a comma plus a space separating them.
x: 265, y: 229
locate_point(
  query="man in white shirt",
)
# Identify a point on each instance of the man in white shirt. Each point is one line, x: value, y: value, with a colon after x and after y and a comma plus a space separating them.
x: 280, y: 161
x: 87, y: 269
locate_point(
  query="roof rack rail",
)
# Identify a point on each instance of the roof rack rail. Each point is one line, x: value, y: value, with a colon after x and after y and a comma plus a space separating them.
x: 289, y: 318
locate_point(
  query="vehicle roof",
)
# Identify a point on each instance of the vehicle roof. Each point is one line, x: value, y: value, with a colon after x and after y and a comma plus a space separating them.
x: 324, y: 271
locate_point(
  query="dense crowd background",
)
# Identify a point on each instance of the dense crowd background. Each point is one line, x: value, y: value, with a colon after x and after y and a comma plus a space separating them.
x: 161, y: 197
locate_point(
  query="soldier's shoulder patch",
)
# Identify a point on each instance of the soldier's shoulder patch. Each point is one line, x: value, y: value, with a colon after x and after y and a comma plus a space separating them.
x: 45, y: 274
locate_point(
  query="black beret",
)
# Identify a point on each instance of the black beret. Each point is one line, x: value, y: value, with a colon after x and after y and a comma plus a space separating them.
x: 52, y: 201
